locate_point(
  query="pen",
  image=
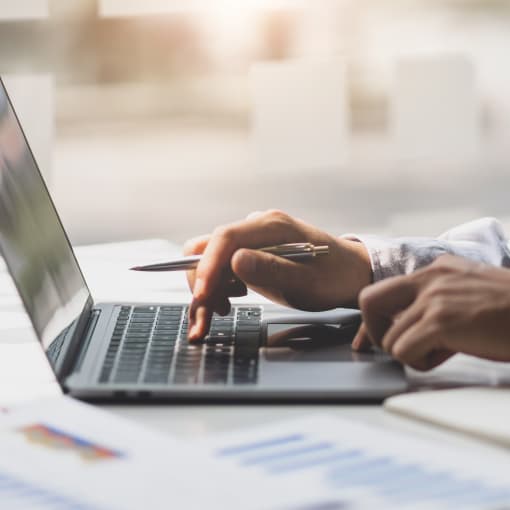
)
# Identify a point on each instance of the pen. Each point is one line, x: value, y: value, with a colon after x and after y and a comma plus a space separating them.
x: 293, y: 251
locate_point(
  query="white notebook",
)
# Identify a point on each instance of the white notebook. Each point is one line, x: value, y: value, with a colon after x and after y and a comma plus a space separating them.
x: 482, y: 412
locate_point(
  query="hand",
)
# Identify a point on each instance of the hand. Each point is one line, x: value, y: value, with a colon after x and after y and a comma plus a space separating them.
x: 451, y: 306
x: 231, y: 263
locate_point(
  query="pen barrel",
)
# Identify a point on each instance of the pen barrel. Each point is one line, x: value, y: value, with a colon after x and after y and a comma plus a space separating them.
x: 293, y: 251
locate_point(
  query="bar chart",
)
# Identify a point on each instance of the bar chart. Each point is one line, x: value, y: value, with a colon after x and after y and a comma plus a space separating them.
x: 22, y: 495
x: 359, y: 472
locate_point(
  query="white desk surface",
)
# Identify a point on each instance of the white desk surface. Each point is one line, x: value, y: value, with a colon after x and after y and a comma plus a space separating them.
x: 105, y: 269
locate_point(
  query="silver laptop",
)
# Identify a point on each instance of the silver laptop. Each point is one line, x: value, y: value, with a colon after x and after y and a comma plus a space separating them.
x: 139, y: 351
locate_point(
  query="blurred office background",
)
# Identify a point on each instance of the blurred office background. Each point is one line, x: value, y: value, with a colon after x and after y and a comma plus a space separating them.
x: 164, y: 118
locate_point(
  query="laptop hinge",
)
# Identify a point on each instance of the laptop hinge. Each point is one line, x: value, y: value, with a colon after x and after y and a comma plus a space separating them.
x: 91, y: 327
x: 78, y: 345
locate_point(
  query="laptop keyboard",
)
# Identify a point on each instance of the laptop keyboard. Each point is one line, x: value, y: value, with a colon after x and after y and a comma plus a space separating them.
x: 149, y: 346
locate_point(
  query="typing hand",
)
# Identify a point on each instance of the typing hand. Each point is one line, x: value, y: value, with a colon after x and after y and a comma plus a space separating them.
x: 230, y: 264
x: 451, y: 306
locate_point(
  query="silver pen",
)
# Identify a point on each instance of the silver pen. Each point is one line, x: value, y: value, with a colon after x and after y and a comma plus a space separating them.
x: 293, y: 251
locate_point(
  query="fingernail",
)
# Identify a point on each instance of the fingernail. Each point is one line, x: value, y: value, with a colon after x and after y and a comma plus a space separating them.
x: 193, y: 333
x: 198, y: 290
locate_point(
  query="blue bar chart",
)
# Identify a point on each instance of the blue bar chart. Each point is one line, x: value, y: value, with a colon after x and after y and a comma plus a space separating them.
x: 18, y: 494
x: 393, y: 479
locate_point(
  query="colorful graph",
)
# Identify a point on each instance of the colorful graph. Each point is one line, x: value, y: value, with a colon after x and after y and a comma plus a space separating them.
x: 51, y: 437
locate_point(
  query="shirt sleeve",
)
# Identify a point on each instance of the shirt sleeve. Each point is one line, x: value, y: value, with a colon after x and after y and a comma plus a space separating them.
x: 483, y: 240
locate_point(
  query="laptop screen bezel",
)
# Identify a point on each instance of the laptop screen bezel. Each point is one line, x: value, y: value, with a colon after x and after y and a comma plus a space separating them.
x: 71, y: 347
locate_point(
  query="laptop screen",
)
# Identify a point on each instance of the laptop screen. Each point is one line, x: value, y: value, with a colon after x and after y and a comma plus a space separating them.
x: 32, y: 239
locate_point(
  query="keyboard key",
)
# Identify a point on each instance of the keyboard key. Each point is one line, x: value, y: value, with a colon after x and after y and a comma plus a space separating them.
x: 144, y: 309
x: 166, y: 330
x: 163, y: 342
x: 141, y: 320
x: 219, y: 340
x: 170, y: 314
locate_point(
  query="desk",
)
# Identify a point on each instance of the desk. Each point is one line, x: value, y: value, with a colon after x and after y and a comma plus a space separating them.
x: 104, y: 267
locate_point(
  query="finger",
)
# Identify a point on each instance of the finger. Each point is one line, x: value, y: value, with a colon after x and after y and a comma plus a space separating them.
x: 218, y: 303
x: 230, y: 286
x: 361, y: 341
x: 401, y: 323
x: 222, y: 307
x: 381, y: 301
x: 272, y: 276
x: 418, y: 347
x: 195, y: 246
x: 252, y: 233
x: 200, y: 315
x: 236, y: 288
x: 435, y: 358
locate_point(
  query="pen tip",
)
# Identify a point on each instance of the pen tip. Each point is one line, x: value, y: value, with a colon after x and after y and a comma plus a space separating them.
x: 135, y: 268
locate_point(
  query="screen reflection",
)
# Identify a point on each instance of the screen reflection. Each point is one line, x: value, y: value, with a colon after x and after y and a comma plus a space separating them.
x: 32, y: 240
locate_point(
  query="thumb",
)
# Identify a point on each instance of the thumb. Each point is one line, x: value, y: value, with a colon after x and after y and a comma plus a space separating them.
x: 272, y: 275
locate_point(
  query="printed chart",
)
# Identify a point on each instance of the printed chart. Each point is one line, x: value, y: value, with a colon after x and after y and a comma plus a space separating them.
x: 21, y: 495
x: 56, y: 439
x: 358, y: 467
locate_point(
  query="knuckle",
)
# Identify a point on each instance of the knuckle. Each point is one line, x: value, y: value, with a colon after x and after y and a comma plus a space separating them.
x: 452, y: 264
x: 277, y: 216
x: 275, y: 212
x: 436, y: 290
x: 442, y: 267
x: 437, y: 269
x: 438, y: 312
x: 226, y: 233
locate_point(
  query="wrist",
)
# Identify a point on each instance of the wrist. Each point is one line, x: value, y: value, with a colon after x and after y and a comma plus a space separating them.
x: 359, y: 272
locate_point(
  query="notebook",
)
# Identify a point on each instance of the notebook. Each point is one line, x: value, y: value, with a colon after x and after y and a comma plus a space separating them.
x: 483, y: 412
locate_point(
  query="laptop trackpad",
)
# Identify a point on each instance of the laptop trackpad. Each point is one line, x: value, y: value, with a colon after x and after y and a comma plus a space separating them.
x: 313, y: 343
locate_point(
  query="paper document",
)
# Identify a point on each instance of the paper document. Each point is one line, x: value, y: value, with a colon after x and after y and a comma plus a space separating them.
x: 482, y: 412
x: 335, y: 464
x: 59, y: 454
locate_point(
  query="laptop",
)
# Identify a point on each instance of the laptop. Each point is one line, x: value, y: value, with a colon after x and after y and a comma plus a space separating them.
x: 139, y: 351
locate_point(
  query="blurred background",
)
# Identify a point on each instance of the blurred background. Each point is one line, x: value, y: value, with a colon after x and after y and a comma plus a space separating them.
x: 165, y: 118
